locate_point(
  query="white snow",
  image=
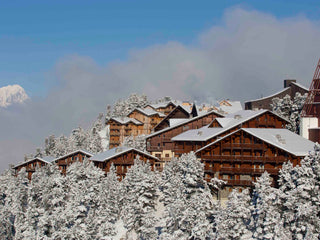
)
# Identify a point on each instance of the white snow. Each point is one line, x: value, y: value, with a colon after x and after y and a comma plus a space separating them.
x: 104, y: 135
x: 12, y: 94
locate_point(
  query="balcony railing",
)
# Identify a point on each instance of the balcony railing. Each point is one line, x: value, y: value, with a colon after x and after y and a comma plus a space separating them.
x: 243, y: 158
x: 252, y: 171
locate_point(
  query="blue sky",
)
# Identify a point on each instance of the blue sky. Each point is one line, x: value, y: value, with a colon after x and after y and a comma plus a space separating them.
x: 34, y: 35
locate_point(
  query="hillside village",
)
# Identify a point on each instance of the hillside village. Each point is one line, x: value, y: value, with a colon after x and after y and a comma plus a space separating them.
x: 235, y: 145
x: 175, y: 170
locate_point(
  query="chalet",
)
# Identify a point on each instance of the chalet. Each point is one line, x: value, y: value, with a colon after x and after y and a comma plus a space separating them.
x: 291, y: 87
x: 163, y: 107
x: 123, y: 127
x: 160, y: 144
x: 66, y: 160
x: 228, y: 107
x: 32, y: 164
x: 149, y: 117
x: 123, y: 159
x: 241, y: 156
x: 194, y: 139
x: 179, y: 112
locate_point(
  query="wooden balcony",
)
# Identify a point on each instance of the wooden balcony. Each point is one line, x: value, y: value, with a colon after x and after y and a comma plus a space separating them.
x: 251, y: 171
x: 243, y: 146
x: 154, y: 149
x: 245, y: 159
x: 114, y: 134
x: 30, y: 169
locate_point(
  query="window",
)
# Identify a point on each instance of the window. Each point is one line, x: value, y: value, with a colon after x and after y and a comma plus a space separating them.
x: 167, y: 154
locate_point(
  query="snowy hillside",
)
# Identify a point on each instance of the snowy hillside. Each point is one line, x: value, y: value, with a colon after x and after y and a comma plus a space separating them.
x: 12, y: 94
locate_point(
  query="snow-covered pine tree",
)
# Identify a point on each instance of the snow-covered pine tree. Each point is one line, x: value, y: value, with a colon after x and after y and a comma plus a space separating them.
x: 20, y: 204
x: 83, y: 180
x: 123, y: 107
x: 290, y: 109
x: 233, y: 220
x: 300, y: 196
x: 266, y: 218
x: 139, y: 142
x: 139, y: 196
x: 7, y: 188
x: 189, y: 207
x: 108, y: 210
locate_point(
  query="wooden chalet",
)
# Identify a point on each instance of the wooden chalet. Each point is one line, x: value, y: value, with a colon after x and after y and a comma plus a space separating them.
x: 123, y: 127
x: 64, y: 161
x: 241, y: 156
x: 123, y: 158
x: 162, y: 107
x: 179, y: 112
x: 32, y: 164
x: 160, y: 144
x: 194, y: 139
x: 149, y: 117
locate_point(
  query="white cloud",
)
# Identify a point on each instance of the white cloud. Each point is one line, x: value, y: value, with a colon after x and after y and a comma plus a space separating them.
x: 246, y: 56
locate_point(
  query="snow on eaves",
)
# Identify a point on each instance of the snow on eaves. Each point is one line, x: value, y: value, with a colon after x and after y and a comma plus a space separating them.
x: 46, y: 159
x: 270, y: 96
x: 198, y: 135
x: 182, y: 123
x: 299, y: 85
x: 71, y: 153
x: 104, y: 156
x: 125, y: 120
x: 283, y: 139
x: 279, y: 137
x: 148, y: 112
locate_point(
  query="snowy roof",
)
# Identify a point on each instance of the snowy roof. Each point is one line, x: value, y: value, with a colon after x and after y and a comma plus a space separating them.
x: 272, y: 95
x: 278, y: 137
x: 104, y: 156
x: 284, y: 139
x: 201, y: 134
x: 175, y: 121
x: 125, y: 120
x: 235, y: 106
x: 182, y: 123
x: 46, y: 159
x: 71, y: 153
x: 161, y: 104
x: 148, y: 112
x: 227, y: 123
x: 299, y: 85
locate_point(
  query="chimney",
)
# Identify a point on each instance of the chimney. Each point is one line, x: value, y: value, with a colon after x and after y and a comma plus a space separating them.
x: 287, y: 82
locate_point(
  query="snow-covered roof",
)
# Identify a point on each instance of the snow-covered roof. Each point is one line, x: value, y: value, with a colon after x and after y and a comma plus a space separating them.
x: 201, y: 134
x: 104, y: 156
x: 71, y: 153
x: 182, y: 123
x: 299, y: 85
x: 235, y: 106
x: 227, y: 123
x: 161, y: 104
x: 279, y: 137
x: 46, y: 159
x: 284, y: 139
x: 175, y: 121
x: 125, y: 120
x: 148, y: 112
x: 270, y: 96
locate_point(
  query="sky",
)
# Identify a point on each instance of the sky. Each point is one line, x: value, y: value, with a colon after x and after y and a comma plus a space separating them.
x: 74, y: 58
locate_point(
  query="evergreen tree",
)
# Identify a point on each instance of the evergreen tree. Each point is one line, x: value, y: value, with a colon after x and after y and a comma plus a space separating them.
x: 139, y: 195
x: 189, y: 207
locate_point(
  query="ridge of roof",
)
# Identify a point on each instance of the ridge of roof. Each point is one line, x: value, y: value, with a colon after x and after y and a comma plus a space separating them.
x: 106, y: 155
x: 272, y: 95
x: 184, y: 122
x: 73, y: 152
x: 45, y: 159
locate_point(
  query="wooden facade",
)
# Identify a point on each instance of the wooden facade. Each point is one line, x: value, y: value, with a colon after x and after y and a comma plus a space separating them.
x: 64, y: 161
x: 31, y: 166
x: 164, y: 108
x: 266, y: 119
x: 240, y: 157
x: 160, y: 144
x: 149, y: 120
x: 120, y: 130
x: 124, y: 160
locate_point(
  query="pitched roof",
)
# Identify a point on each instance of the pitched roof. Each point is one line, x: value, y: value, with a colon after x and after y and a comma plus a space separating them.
x: 182, y: 123
x: 46, y: 159
x: 125, y: 120
x: 71, y: 153
x: 272, y: 95
x: 227, y: 123
x: 104, y: 156
x: 161, y: 104
x: 278, y: 137
x: 299, y: 85
x: 148, y: 112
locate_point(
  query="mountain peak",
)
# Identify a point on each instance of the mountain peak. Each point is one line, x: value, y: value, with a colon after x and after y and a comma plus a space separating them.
x: 12, y: 94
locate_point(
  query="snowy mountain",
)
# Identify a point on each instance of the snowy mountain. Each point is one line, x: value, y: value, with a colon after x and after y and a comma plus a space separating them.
x: 12, y: 94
